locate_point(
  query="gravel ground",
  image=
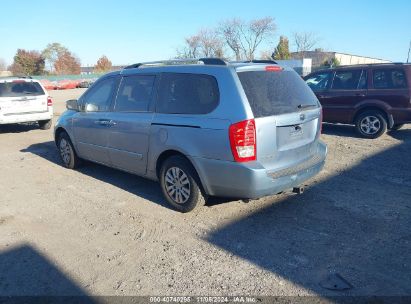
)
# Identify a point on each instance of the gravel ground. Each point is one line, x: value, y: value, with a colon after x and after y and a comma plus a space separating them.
x: 98, y: 231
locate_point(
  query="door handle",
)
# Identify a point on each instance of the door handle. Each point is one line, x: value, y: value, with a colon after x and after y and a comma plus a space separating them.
x: 360, y: 95
x: 105, y: 122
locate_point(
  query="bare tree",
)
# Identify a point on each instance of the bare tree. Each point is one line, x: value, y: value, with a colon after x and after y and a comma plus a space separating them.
x: 229, y: 30
x: 256, y: 31
x: 191, y: 48
x: 210, y: 44
x: 206, y: 43
x: 244, y: 38
x: 304, y: 42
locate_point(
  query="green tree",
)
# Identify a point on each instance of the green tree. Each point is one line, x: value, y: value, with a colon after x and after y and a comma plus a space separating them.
x: 331, y: 62
x: 103, y: 65
x: 28, y: 63
x: 282, y: 51
x: 52, y: 52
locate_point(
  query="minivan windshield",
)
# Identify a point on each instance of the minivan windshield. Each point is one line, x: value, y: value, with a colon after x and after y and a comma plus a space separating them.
x: 273, y: 93
x: 20, y: 88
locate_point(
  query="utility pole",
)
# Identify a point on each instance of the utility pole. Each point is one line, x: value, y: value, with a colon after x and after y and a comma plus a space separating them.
x: 409, y: 49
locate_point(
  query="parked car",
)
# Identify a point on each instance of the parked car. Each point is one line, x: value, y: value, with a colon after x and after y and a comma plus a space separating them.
x: 243, y: 130
x: 24, y: 99
x: 85, y: 84
x: 372, y: 97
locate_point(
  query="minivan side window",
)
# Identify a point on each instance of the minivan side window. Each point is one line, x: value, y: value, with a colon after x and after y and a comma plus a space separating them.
x: 99, y: 96
x: 319, y: 81
x: 183, y: 93
x: 389, y: 79
x: 134, y: 94
x: 346, y: 80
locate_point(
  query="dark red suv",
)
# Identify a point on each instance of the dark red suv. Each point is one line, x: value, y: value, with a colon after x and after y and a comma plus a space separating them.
x: 373, y: 97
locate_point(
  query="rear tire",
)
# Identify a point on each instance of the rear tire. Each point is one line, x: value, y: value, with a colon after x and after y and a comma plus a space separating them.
x: 371, y: 124
x: 180, y: 184
x: 397, y: 127
x: 67, y: 153
x: 45, y: 124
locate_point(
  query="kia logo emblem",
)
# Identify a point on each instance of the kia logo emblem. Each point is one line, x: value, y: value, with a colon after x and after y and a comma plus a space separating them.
x: 302, y: 116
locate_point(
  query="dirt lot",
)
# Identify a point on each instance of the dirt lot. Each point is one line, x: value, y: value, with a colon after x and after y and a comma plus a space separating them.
x: 98, y: 231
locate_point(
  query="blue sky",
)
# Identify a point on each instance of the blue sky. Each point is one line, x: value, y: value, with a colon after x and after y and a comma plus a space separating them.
x: 130, y: 31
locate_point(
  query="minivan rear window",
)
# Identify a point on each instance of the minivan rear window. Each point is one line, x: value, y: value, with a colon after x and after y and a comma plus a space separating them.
x: 20, y: 88
x: 274, y: 93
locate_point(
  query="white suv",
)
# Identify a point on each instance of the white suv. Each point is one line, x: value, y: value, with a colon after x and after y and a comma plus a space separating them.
x: 25, y: 100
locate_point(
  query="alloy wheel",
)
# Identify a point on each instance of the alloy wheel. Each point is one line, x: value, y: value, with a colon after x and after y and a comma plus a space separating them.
x: 370, y: 125
x: 177, y: 185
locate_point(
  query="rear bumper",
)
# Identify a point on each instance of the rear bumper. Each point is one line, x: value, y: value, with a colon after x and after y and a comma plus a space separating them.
x: 26, y: 117
x: 251, y: 180
x: 401, y: 116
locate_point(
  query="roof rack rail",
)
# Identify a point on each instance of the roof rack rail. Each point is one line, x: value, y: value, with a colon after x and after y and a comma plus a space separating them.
x: 207, y: 61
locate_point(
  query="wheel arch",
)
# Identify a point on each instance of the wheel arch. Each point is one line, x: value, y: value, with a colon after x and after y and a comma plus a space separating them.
x: 388, y: 117
x: 171, y: 152
x: 57, y: 133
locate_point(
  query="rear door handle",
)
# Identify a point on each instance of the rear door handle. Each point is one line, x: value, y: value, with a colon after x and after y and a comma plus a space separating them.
x: 360, y: 95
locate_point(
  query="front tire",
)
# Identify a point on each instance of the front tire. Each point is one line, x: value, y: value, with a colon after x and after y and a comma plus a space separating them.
x: 180, y: 184
x: 45, y: 124
x: 67, y: 153
x: 371, y: 124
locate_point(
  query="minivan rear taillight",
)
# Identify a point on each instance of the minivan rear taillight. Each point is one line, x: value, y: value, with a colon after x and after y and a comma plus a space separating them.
x: 49, y: 101
x: 243, y: 141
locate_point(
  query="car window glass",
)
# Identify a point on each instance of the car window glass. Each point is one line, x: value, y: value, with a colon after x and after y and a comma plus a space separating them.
x: 346, y: 80
x: 134, y: 94
x: 183, y: 93
x: 275, y: 93
x: 99, y: 97
x: 20, y: 88
x: 389, y: 79
x: 319, y: 81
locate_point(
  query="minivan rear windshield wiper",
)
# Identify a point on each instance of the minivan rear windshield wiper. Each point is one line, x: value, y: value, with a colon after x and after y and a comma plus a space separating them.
x: 305, y: 106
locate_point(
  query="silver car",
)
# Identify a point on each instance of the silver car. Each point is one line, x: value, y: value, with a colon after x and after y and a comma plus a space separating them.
x: 200, y: 127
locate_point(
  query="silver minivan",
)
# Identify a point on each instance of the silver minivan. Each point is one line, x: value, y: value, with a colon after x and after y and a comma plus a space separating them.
x: 200, y: 127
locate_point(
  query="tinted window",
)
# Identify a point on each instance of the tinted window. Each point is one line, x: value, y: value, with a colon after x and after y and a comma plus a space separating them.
x: 98, y: 98
x: 389, y: 79
x: 134, y: 94
x: 187, y: 94
x: 319, y: 82
x: 346, y: 80
x: 20, y: 88
x: 273, y: 93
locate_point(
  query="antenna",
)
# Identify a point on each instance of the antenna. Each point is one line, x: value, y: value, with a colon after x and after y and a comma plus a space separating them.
x: 409, y: 49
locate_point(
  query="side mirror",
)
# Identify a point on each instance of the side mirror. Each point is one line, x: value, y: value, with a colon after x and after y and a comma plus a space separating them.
x: 72, y: 104
x: 91, y: 108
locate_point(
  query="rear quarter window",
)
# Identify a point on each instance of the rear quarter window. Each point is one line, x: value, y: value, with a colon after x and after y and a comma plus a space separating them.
x: 182, y: 93
x: 20, y: 88
x: 274, y: 93
x: 389, y: 79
